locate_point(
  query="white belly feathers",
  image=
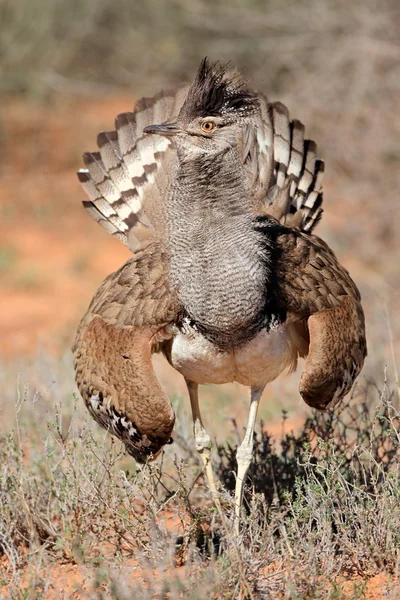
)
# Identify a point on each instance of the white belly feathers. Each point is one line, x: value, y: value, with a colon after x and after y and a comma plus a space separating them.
x: 257, y: 363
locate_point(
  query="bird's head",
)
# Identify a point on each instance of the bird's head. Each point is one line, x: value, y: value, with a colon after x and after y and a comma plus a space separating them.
x: 217, y: 108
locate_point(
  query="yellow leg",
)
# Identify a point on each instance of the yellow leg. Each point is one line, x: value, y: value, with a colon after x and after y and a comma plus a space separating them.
x: 244, y: 454
x: 203, y: 443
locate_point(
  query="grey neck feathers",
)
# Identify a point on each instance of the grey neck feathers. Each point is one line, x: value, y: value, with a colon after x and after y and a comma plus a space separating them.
x: 219, y: 261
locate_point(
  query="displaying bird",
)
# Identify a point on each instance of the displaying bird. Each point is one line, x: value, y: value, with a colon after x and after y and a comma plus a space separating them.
x: 216, y: 192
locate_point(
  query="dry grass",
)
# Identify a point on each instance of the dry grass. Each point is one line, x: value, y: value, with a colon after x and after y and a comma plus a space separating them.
x: 321, y: 507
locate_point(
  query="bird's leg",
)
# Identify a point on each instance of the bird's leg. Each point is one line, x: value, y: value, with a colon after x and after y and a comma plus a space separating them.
x: 244, y: 453
x: 203, y: 442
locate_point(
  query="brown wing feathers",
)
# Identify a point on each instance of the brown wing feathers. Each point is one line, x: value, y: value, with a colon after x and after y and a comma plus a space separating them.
x: 317, y: 290
x: 336, y: 353
x: 127, y: 316
x: 112, y: 353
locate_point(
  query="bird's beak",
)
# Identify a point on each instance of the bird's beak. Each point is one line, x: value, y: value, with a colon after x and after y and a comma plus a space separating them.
x: 166, y: 129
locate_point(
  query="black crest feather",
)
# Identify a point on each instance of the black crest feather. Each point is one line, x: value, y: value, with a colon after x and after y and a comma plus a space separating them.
x: 216, y: 91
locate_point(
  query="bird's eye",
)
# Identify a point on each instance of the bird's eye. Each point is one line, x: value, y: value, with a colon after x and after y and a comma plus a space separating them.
x: 207, y: 126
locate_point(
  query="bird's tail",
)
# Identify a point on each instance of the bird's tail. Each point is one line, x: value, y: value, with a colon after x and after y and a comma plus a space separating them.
x: 294, y: 187
x: 126, y: 178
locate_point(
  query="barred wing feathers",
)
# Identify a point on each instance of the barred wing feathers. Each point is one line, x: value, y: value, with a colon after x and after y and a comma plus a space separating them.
x: 126, y: 178
x: 286, y: 173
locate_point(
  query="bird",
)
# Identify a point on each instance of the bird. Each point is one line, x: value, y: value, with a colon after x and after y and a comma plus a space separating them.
x: 216, y: 192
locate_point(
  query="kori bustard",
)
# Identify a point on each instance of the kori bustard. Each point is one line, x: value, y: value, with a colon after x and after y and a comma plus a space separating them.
x: 216, y: 192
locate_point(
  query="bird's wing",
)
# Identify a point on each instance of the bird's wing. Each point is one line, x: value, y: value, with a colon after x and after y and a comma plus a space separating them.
x: 317, y: 290
x: 284, y: 173
x: 128, y: 316
x: 126, y: 178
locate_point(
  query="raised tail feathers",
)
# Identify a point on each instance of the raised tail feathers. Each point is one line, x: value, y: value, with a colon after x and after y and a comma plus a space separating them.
x: 123, y: 179
x: 126, y: 178
x: 294, y: 188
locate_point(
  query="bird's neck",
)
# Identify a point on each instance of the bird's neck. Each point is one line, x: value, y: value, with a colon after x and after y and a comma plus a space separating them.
x: 219, y: 261
x: 211, y: 186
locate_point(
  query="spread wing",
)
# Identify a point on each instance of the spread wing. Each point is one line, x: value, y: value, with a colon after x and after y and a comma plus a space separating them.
x: 320, y: 295
x: 285, y: 175
x: 127, y: 317
x: 126, y: 178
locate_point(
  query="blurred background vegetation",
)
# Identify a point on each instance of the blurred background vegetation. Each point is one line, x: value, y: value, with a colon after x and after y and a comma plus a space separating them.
x: 336, y: 62
x: 337, y: 57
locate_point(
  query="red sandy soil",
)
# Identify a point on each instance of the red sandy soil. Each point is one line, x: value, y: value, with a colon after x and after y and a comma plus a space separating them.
x: 58, y: 256
x: 70, y: 581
